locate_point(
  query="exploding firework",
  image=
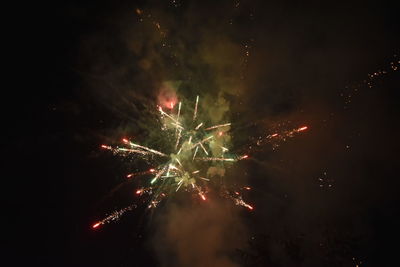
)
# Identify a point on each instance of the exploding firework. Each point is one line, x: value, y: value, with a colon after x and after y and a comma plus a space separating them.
x: 194, y: 148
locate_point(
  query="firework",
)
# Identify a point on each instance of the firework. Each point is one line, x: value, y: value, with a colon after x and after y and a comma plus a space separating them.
x: 114, y: 216
x: 180, y: 168
x: 278, y: 137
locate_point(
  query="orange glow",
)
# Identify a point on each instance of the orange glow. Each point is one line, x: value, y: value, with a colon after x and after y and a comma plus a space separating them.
x: 138, y: 192
x: 104, y: 146
x: 220, y: 133
x: 152, y: 170
x: 237, y: 193
x: 95, y: 225
x: 247, y: 188
x: 250, y: 207
x: 245, y: 156
x: 129, y: 175
x: 302, y: 128
x: 125, y: 140
x: 275, y: 134
x: 203, y: 197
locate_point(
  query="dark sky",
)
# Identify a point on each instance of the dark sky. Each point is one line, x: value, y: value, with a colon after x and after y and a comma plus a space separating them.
x: 95, y: 68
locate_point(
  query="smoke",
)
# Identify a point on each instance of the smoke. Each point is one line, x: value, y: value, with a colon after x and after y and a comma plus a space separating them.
x: 160, y: 61
x: 198, y: 235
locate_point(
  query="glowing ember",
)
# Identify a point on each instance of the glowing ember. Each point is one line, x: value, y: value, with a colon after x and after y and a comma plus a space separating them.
x: 96, y: 225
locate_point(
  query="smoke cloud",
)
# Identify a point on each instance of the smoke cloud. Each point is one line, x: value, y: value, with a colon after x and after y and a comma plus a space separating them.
x: 199, y: 235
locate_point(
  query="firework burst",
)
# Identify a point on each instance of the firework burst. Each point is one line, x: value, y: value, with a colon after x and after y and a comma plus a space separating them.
x: 194, y: 148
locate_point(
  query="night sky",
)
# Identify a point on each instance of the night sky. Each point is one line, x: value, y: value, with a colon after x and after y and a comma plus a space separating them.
x: 327, y: 196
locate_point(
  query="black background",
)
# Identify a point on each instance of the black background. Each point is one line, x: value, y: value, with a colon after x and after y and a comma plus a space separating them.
x: 54, y: 126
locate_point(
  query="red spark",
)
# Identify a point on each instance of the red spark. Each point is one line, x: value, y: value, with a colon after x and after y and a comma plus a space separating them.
x: 245, y: 156
x: 95, y: 225
x: 275, y: 134
x: 302, y: 128
x: 250, y: 207
x: 237, y: 193
x: 125, y: 140
x: 129, y: 175
x: 104, y: 146
x: 138, y: 192
x: 247, y: 188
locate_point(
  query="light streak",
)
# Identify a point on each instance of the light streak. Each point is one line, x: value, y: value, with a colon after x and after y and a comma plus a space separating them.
x: 302, y: 128
x: 195, y: 108
x: 148, y: 149
x: 216, y: 159
x: 96, y: 225
x: 195, y: 152
x: 217, y: 126
x: 166, y: 114
x: 177, y: 139
x: 205, y: 151
x: 198, y: 126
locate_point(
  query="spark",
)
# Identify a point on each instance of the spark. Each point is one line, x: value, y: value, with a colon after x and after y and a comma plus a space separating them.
x: 282, y: 136
x: 166, y: 114
x: 195, y: 152
x: 148, y: 149
x: 217, y: 126
x: 177, y: 139
x: 224, y: 149
x: 195, y: 108
x: 96, y: 225
x: 205, y: 151
x: 179, y: 109
x: 216, y: 159
x: 198, y: 126
x: 114, y: 216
